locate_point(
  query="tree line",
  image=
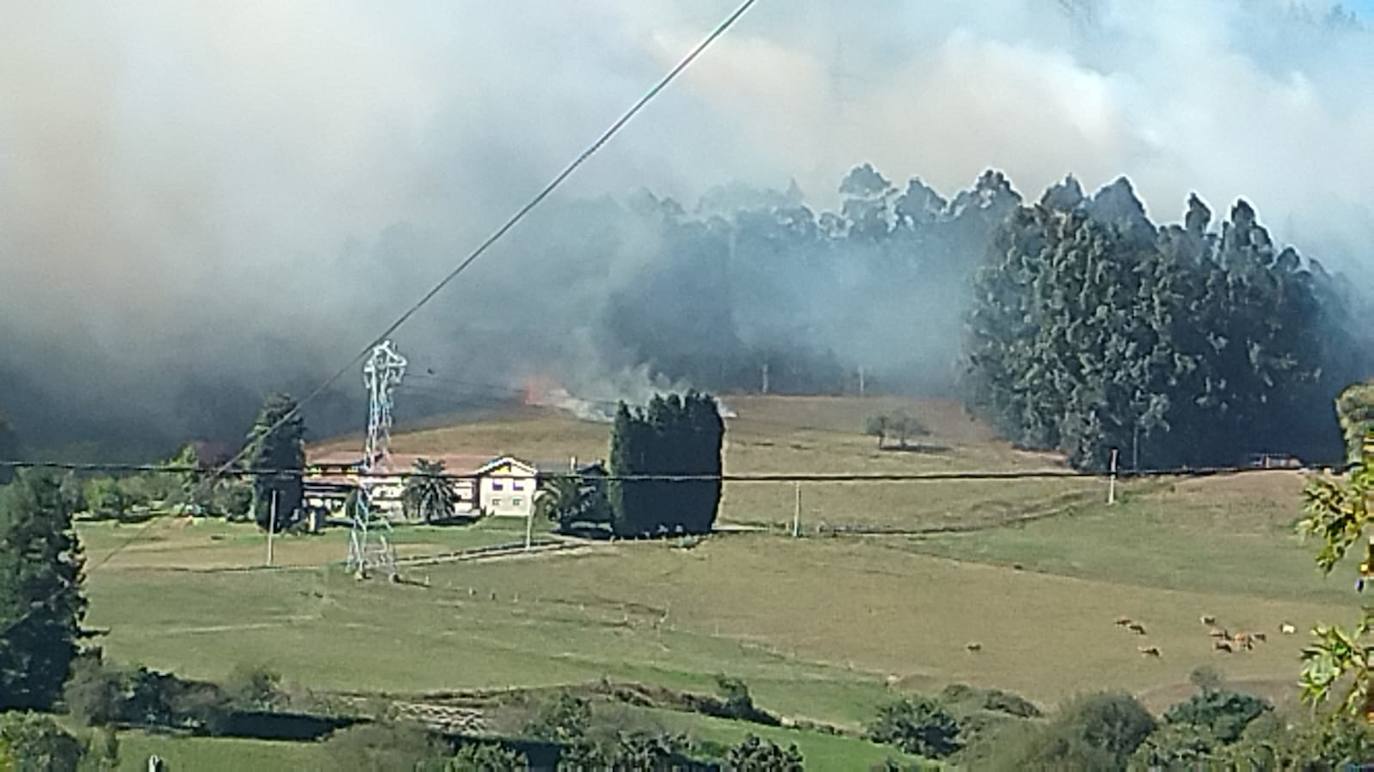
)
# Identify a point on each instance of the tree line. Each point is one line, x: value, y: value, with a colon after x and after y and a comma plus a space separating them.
x: 1093, y: 329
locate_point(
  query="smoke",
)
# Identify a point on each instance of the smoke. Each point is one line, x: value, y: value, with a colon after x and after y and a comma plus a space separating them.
x: 200, y: 203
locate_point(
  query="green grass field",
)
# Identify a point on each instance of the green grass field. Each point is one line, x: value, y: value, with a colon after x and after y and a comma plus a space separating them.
x: 821, y: 628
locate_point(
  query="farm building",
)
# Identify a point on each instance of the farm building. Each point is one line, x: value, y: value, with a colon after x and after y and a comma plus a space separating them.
x: 506, y: 486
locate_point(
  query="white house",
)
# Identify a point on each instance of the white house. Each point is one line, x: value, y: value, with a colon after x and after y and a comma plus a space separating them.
x: 506, y: 486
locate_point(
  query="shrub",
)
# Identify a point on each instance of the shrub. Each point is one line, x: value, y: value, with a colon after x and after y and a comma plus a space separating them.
x: 253, y: 687
x: 969, y: 698
x: 35, y: 742
x: 755, y: 755
x: 92, y: 693
x: 1096, y: 732
x: 487, y: 757
x: 383, y: 746
x: 1224, y: 714
x: 1176, y: 746
x: 1116, y: 723
x: 561, y: 720
x: 918, y: 725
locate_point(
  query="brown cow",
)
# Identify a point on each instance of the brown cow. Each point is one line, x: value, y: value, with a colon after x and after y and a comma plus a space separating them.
x: 1136, y: 628
x: 1222, y: 646
x: 1149, y: 651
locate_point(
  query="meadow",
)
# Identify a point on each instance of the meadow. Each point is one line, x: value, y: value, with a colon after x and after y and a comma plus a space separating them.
x: 822, y: 628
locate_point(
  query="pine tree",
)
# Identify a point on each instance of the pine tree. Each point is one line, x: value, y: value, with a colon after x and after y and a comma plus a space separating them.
x: 279, y: 449
x: 41, y: 602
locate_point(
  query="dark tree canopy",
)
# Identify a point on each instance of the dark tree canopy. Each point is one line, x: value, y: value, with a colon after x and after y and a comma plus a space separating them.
x: 9, y: 448
x: 674, y: 435
x: 280, y: 449
x: 1092, y: 329
x: 41, y: 602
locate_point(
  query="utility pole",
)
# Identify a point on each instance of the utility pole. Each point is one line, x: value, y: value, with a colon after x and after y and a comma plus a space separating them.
x: 796, y: 512
x: 1135, y: 448
x: 271, y: 525
x: 1111, y: 481
x: 861, y: 380
x: 529, y: 528
x: 765, y: 377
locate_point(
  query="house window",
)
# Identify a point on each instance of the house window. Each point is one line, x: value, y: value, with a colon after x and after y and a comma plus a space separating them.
x: 517, y: 501
x: 497, y: 485
x: 517, y: 486
x: 496, y: 502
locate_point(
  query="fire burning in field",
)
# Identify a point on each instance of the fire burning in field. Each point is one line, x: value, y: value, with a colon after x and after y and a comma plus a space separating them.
x: 633, y: 387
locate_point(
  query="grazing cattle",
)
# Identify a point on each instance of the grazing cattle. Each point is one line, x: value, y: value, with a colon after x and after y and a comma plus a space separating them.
x: 1123, y: 621
x: 1260, y: 637
x: 1242, y: 641
x: 1136, y: 628
x: 1217, y: 632
x: 1208, y: 619
x: 1287, y: 629
x: 1149, y: 651
x: 973, y: 646
x: 1224, y: 646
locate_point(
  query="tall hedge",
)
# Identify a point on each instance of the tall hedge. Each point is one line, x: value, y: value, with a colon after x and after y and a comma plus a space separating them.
x: 673, y: 435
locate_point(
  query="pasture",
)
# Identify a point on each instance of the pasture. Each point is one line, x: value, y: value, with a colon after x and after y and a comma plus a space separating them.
x: 823, y: 628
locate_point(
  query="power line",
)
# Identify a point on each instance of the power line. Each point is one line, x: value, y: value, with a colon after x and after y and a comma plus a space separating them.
x: 476, y: 253
x: 509, y: 223
x: 756, y: 477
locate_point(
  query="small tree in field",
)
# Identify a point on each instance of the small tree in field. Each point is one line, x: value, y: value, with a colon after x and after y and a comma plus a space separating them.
x: 917, y: 725
x: 876, y: 426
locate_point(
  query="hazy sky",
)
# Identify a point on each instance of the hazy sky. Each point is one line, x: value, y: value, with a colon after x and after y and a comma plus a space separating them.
x: 165, y: 165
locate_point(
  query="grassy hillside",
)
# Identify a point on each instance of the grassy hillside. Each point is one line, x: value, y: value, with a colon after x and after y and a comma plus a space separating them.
x: 821, y: 628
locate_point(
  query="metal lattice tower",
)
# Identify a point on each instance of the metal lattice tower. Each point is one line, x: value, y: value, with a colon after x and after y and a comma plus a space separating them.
x: 382, y: 373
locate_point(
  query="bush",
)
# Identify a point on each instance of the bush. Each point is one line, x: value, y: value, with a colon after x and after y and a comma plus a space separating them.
x: 966, y: 697
x: 1176, y: 746
x: 755, y: 755
x: 562, y: 720
x: 102, y: 751
x: 92, y: 693
x: 487, y: 757
x: 1116, y: 723
x: 1224, y: 714
x: 384, y: 746
x: 1096, y: 732
x: 918, y: 725
x: 253, y: 687
x: 29, y: 741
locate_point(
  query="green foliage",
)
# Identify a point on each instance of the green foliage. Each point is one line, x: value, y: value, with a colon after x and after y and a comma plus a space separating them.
x: 968, y: 698
x: 41, y: 600
x: 105, y: 497
x: 917, y: 725
x: 1093, y: 732
x: 564, y: 719
x: 427, y: 495
x: 674, y: 435
x: 1222, y: 714
x: 755, y: 755
x: 282, y: 448
x: 1206, y: 678
x: 253, y: 687
x: 568, y: 502
x: 37, y: 744
x: 487, y: 757
x: 1355, y: 413
x: 1176, y: 746
x: 93, y: 694
x: 383, y: 747
x: 100, y: 695
x: 102, y: 751
x: 1335, y: 664
x: 1090, y: 332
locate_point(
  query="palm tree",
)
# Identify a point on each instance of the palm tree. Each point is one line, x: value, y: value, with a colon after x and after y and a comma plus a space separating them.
x: 560, y: 500
x: 428, y: 495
